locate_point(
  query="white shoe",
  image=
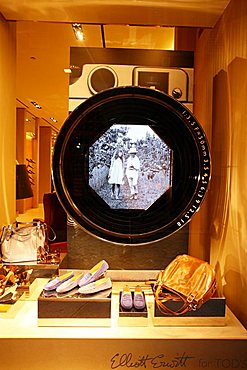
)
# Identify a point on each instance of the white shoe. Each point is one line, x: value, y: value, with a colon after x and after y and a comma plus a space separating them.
x: 69, y: 284
x: 96, y: 286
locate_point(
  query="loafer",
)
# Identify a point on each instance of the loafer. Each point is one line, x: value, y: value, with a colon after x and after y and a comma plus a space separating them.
x: 96, y: 286
x: 54, y: 283
x: 139, y: 299
x: 126, y: 300
x: 94, y: 273
x: 69, y: 284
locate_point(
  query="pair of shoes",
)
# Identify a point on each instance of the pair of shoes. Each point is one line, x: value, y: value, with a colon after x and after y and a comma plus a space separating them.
x: 137, y: 300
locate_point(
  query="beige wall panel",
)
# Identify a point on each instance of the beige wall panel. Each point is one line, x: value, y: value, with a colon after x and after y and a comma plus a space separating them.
x: 220, y: 105
x: 7, y: 123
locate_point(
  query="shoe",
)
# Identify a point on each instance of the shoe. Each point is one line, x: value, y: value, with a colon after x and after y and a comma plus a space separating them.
x: 54, y: 283
x: 69, y: 284
x: 139, y: 300
x: 135, y: 197
x: 126, y: 300
x: 96, y: 286
x: 5, y: 280
x: 7, y: 298
x: 94, y: 273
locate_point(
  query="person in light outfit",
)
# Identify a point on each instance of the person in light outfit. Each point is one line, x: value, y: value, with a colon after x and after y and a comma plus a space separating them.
x: 116, y: 174
x: 132, y: 172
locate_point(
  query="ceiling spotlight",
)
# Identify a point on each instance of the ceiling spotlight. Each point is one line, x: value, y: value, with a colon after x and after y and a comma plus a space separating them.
x: 36, y: 105
x: 72, y: 69
x: 77, y: 28
x: 67, y: 70
x: 53, y: 119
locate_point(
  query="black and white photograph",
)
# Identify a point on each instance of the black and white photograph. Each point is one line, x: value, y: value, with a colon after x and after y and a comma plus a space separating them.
x: 130, y: 166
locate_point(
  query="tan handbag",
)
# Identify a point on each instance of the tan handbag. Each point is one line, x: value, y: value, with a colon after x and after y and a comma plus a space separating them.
x: 187, y: 280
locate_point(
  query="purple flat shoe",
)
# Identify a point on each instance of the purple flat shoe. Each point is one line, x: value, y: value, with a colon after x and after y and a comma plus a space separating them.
x: 126, y: 300
x: 96, y: 286
x: 139, y: 299
x: 69, y: 284
x: 93, y: 274
x: 54, y: 283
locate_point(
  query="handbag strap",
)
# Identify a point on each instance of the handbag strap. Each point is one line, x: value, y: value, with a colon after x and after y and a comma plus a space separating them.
x: 22, y: 231
x: 49, y: 228
x: 6, y: 233
x: 162, y: 298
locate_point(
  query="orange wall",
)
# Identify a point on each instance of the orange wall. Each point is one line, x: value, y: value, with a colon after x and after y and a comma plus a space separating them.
x: 221, y: 106
x: 7, y: 123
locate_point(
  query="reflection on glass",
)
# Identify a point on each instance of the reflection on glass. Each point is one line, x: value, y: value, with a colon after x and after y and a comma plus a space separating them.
x: 130, y: 167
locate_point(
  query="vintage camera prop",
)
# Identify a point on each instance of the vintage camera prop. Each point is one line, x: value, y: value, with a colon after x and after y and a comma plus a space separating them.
x: 176, y: 82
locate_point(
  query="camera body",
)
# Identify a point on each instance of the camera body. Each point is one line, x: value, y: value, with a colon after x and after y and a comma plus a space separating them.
x: 176, y: 82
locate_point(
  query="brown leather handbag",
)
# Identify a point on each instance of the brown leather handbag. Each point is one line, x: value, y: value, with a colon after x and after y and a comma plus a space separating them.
x: 187, y: 280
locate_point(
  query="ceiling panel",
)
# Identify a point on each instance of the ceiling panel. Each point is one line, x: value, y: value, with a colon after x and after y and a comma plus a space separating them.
x: 118, y: 36
x: 196, y: 13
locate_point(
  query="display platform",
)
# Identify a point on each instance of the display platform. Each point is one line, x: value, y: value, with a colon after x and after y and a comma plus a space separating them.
x: 10, y: 302
x: 25, y: 346
x: 211, y: 313
x: 41, y: 269
x: 56, y: 309
x: 133, y: 316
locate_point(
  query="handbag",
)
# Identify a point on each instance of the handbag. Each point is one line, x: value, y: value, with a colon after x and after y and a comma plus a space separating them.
x: 188, y: 281
x: 21, y: 242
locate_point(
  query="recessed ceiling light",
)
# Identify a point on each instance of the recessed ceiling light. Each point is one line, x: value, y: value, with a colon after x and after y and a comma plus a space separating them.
x: 67, y: 70
x: 77, y: 28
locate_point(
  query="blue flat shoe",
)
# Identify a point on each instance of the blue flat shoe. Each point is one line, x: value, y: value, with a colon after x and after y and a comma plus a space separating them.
x: 126, y: 300
x: 93, y: 274
x: 54, y: 283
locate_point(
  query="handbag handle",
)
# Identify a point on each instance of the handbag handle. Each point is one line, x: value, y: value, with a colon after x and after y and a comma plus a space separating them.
x: 7, y: 231
x: 49, y: 228
x: 185, y: 307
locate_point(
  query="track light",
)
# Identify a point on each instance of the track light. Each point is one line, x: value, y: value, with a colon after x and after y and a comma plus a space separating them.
x: 77, y: 28
x: 36, y: 105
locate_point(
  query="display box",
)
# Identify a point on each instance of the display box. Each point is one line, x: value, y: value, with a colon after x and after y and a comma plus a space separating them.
x: 211, y: 313
x: 74, y: 309
x: 132, y: 317
x: 10, y: 303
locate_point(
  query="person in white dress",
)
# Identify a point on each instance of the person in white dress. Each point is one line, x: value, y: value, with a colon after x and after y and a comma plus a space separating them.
x: 116, y: 174
x: 132, y: 172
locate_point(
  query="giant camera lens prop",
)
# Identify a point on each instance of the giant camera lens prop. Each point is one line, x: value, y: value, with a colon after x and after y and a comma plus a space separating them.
x: 86, y: 143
